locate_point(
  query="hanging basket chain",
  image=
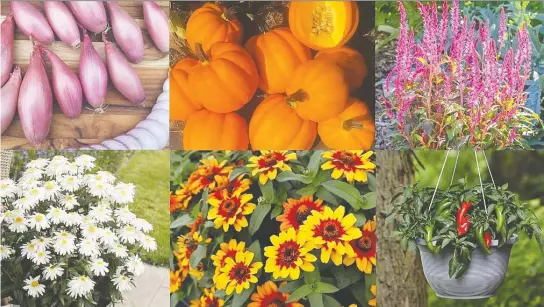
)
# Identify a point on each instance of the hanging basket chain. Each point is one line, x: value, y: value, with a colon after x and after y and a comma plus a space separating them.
x: 489, y: 169
x: 438, y: 181
x: 480, y: 176
x: 455, y: 167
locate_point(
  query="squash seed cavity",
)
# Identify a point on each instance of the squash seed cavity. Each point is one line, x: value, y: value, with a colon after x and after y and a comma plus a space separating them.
x: 323, y: 20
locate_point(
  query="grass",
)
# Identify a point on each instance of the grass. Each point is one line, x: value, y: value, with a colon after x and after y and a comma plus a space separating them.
x: 149, y: 171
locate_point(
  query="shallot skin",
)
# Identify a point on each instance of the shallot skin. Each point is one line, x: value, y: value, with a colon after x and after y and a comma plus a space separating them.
x: 90, y: 14
x: 63, y: 22
x: 66, y: 85
x: 6, y: 48
x: 35, y: 102
x: 122, y: 74
x: 156, y: 23
x: 127, y: 33
x: 92, y: 73
x: 8, y: 104
x: 32, y: 22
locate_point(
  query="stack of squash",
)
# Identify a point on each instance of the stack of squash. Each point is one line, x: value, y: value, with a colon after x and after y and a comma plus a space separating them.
x: 305, y: 96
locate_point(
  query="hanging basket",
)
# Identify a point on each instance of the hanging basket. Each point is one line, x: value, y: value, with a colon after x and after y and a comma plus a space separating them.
x: 484, y: 275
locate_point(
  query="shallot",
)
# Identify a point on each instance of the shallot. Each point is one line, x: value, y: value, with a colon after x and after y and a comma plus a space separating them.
x: 35, y: 102
x: 8, y: 105
x: 127, y: 33
x: 31, y: 22
x: 90, y: 14
x: 156, y: 23
x: 66, y: 85
x: 6, y: 47
x: 122, y: 74
x: 92, y: 73
x: 63, y: 23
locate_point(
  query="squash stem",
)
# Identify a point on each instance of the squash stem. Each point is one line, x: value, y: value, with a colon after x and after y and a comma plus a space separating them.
x: 353, y: 123
x: 296, y: 97
x: 201, y: 55
x: 229, y: 14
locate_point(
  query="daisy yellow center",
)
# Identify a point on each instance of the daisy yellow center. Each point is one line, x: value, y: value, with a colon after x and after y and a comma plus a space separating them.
x: 4, y: 185
x: 71, y: 179
x: 92, y: 229
x: 34, y: 192
x: 41, y: 254
x: 18, y: 219
x: 34, y: 284
x: 240, y: 272
x: 68, y: 198
x: 39, y: 218
x: 365, y: 243
x: 49, y: 185
x: 82, y: 278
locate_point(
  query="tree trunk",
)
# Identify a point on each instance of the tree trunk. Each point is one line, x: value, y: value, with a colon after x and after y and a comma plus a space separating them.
x: 400, y: 280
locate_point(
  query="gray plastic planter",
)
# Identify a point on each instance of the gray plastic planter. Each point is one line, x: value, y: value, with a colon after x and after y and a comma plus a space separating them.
x: 482, y: 278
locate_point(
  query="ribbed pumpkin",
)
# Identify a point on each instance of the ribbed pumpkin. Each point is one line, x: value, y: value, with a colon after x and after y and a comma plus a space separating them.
x: 350, y: 60
x: 207, y: 130
x: 277, y: 54
x: 181, y: 103
x: 318, y: 90
x: 352, y: 129
x: 210, y: 24
x: 323, y: 24
x: 226, y: 80
x: 276, y: 125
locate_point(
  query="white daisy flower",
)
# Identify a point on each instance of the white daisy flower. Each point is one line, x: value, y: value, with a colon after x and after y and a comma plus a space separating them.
x: 57, y: 167
x: 32, y: 173
x: 124, y: 215
x: 5, y: 252
x: 64, y: 246
x: 56, y: 215
x: 27, y: 183
x: 108, y: 238
x: 18, y: 224
x: 129, y: 234
x: 8, y: 188
x: 73, y: 169
x: 148, y: 243
x: 68, y: 201
x: 53, y: 271
x: 99, y: 267
x: 51, y: 190
x: 36, y: 194
x: 105, y: 176
x: 101, y: 214
x: 122, y: 282
x: 135, y: 265
x: 70, y: 183
x: 39, y: 163
x: 28, y: 250
x: 80, y: 286
x: 25, y: 203
x: 42, y: 243
x: 33, y: 286
x: 123, y: 193
x: 41, y: 257
x: 8, y: 215
x: 142, y: 225
x: 99, y: 189
x: 88, y: 247
x: 91, y: 231
x: 119, y: 250
x: 38, y: 221
x: 85, y: 161
x: 73, y: 219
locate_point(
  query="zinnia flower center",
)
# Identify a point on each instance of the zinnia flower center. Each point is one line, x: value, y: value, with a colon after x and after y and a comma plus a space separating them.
x: 275, y: 304
x: 288, y: 253
x: 230, y: 206
x: 302, y: 213
x: 240, y: 272
x: 268, y: 161
x: 331, y: 230
x: 365, y: 243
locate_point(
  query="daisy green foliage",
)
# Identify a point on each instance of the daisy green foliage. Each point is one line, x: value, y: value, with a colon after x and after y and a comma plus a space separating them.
x: 68, y: 235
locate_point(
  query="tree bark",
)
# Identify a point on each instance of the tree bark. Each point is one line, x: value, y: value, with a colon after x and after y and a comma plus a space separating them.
x: 400, y: 279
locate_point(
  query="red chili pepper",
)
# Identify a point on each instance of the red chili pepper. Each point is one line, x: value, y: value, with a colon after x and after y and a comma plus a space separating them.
x: 487, y: 239
x: 463, y: 221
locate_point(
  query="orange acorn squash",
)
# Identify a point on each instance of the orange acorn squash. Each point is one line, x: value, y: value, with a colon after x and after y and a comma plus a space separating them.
x: 350, y: 60
x: 323, y: 24
x: 210, y: 24
x: 277, y: 54
x: 318, y: 90
x: 352, y: 129
x: 276, y: 125
x: 181, y: 103
x: 226, y: 80
x: 207, y: 130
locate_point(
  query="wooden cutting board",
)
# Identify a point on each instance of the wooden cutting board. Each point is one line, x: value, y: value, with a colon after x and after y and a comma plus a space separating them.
x: 121, y: 115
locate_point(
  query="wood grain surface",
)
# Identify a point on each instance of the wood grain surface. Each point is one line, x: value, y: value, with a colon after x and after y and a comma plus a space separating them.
x: 121, y: 115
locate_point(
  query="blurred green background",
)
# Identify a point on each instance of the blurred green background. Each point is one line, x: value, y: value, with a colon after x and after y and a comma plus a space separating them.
x: 524, y: 173
x: 147, y: 170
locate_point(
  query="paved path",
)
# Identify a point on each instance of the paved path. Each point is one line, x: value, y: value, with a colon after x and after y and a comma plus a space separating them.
x: 152, y: 289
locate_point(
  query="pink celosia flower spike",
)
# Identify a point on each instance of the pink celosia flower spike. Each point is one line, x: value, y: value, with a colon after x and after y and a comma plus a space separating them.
x: 502, y: 30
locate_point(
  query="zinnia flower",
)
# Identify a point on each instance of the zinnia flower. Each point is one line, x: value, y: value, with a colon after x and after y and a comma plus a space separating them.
x: 296, y: 211
x: 208, y: 174
x: 181, y: 199
x: 236, y: 186
x: 238, y: 273
x: 289, y: 254
x: 269, y: 162
x: 226, y: 250
x: 365, y: 248
x: 175, y: 281
x: 187, y: 245
x: 352, y: 164
x: 197, y: 272
x: 208, y: 299
x: 332, y: 232
x: 230, y: 210
x: 269, y: 295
